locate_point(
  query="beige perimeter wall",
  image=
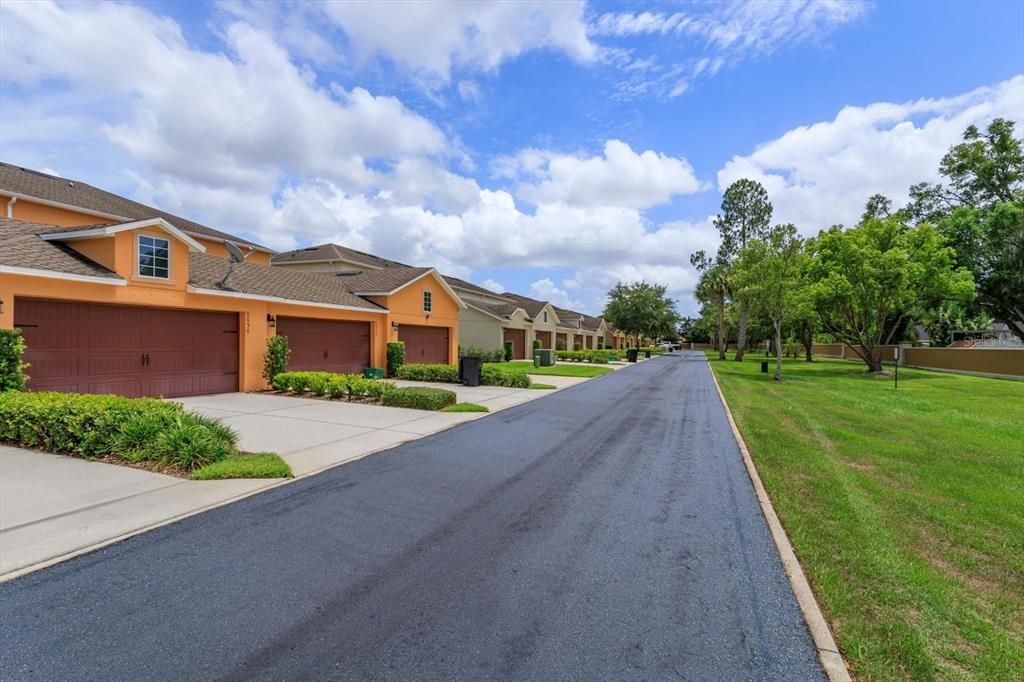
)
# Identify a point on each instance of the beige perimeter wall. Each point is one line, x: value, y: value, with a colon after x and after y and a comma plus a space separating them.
x: 1008, y: 362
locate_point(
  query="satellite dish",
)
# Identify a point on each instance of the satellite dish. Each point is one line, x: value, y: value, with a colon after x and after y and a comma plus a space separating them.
x: 236, y: 253
x: 236, y: 257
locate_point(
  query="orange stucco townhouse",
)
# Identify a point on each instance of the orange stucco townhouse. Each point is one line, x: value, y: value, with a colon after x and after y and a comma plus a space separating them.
x: 113, y: 296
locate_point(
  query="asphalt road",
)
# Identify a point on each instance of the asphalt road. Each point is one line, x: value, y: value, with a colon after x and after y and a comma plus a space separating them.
x: 605, y: 532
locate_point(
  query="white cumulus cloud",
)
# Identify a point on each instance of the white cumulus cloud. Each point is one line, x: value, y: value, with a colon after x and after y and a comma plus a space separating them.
x: 821, y: 174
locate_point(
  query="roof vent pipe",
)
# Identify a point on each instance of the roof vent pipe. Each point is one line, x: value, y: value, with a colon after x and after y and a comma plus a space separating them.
x: 10, y: 206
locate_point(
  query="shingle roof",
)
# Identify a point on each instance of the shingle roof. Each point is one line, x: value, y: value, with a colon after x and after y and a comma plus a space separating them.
x: 75, y: 193
x: 569, y: 318
x: 531, y: 305
x: 206, y: 272
x: 591, y: 323
x: 457, y: 283
x: 378, y: 281
x: 20, y: 246
x: 498, y: 310
x: 331, y: 252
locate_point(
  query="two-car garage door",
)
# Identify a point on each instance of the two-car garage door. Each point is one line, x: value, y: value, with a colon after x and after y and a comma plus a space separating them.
x: 128, y: 350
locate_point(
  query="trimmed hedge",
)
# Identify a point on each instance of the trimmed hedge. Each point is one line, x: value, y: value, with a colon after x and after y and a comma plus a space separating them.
x: 484, y: 355
x: 598, y: 356
x: 275, y: 359
x: 448, y: 374
x: 133, y: 429
x: 396, y: 356
x: 499, y: 376
x: 335, y: 386
x: 420, y: 398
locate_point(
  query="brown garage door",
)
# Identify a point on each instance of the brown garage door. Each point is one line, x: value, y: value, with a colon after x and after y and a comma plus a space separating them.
x: 518, y: 339
x: 424, y: 344
x: 128, y: 350
x: 561, y: 342
x: 545, y: 339
x: 326, y: 345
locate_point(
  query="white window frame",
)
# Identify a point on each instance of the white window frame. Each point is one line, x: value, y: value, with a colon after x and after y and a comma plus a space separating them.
x: 428, y: 301
x: 138, y: 257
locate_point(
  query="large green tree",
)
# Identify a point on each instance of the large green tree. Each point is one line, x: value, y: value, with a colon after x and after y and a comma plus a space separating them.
x: 868, y: 280
x: 746, y: 216
x: 641, y: 308
x: 980, y: 211
x: 713, y: 290
x: 769, y: 273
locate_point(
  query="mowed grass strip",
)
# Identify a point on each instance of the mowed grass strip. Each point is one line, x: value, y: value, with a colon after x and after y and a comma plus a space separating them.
x: 561, y: 369
x: 905, y: 507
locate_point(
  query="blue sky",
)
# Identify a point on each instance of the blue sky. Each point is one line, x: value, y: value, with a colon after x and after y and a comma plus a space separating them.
x: 547, y: 148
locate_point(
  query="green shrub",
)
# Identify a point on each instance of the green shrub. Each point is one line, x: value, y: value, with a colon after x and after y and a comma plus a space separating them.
x: 439, y: 373
x: 500, y: 376
x: 537, y: 344
x: 559, y: 345
x: 242, y: 465
x: 12, y: 367
x: 135, y: 429
x: 420, y: 398
x: 509, y: 351
x: 598, y: 356
x: 396, y: 356
x: 497, y: 355
x: 466, y: 407
x: 335, y: 386
x: 192, y: 441
x: 275, y: 358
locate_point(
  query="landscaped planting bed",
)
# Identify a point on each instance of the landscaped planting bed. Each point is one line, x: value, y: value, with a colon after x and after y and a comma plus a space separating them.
x: 562, y: 369
x: 145, y: 432
x: 420, y: 398
x: 350, y: 387
x: 490, y: 375
x: 905, y: 508
x: 596, y: 356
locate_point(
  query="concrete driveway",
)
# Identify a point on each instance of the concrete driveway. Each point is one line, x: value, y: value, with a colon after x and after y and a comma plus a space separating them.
x: 52, y: 507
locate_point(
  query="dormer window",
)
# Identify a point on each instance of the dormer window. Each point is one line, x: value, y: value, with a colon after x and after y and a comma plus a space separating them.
x: 428, y: 303
x: 154, y: 257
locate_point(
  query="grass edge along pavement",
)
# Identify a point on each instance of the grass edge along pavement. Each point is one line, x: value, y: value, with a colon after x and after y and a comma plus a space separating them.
x: 903, y: 506
x: 580, y: 371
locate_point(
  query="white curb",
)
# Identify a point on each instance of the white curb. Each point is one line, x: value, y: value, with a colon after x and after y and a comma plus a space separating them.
x: 828, y: 653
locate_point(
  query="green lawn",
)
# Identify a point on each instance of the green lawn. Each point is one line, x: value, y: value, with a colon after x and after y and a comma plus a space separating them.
x: 245, y: 465
x: 562, y: 369
x: 466, y: 407
x: 906, y: 508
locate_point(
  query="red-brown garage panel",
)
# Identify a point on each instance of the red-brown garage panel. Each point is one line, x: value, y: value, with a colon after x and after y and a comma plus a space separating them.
x: 518, y: 339
x: 545, y: 339
x: 424, y: 344
x: 128, y: 350
x: 326, y: 345
x: 561, y: 341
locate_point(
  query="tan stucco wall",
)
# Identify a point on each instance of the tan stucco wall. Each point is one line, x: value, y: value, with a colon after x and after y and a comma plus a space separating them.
x: 991, y: 361
x: 479, y: 330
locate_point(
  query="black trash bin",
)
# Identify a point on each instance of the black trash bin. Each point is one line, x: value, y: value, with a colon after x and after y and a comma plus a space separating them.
x: 631, y: 354
x: 764, y: 367
x: 469, y: 370
x: 647, y: 354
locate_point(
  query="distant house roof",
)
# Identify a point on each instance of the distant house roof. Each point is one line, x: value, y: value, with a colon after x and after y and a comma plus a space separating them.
x: 31, y: 184
x: 592, y: 323
x: 469, y: 286
x: 326, y: 253
x: 500, y: 310
x: 532, y: 306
